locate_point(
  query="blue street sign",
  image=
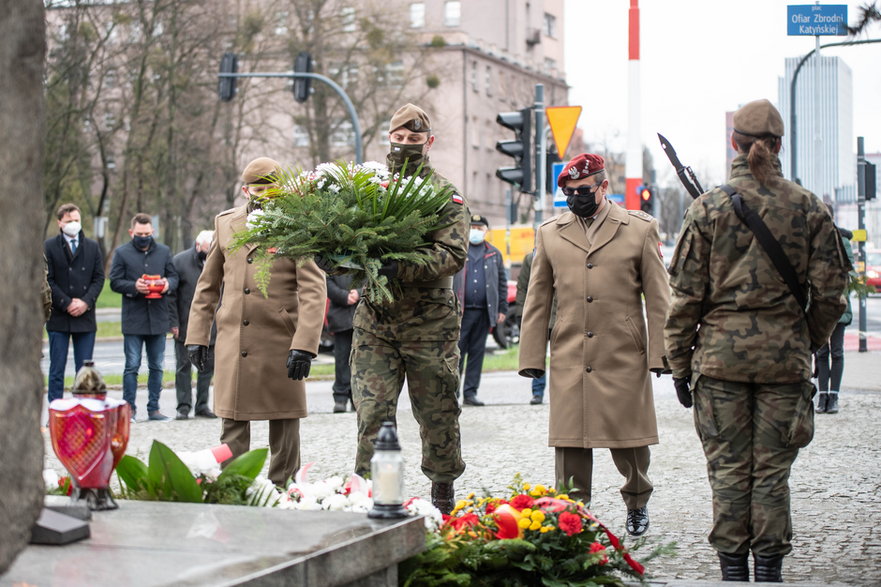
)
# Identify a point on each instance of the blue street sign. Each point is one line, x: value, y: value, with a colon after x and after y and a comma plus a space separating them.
x: 559, y: 198
x: 816, y: 19
x: 617, y: 198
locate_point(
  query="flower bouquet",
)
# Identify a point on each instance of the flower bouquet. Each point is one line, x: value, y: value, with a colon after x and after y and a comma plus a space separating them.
x: 355, y: 218
x: 535, y: 536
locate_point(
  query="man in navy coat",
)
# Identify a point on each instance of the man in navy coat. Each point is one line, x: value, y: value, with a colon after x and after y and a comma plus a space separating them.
x: 76, y: 276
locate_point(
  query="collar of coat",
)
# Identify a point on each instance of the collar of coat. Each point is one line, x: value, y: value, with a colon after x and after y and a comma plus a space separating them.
x: 570, y: 229
x: 237, y: 220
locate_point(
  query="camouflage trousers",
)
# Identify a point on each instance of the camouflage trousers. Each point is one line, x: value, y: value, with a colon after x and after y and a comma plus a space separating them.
x: 751, y: 433
x: 431, y: 368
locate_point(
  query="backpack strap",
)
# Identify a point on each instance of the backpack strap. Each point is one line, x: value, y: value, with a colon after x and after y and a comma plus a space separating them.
x: 770, y: 244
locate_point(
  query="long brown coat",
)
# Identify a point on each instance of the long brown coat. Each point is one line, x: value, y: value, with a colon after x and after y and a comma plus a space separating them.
x: 255, y: 333
x: 600, y: 390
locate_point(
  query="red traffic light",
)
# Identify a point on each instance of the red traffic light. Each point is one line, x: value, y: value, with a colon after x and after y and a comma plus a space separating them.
x: 645, y: 194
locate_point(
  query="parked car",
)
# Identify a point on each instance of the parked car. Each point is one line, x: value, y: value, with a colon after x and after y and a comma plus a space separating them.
x: 873, y: 270
x: 507, y: 334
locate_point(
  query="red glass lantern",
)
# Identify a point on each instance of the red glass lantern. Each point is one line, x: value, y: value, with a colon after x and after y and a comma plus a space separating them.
x: 154, y: 286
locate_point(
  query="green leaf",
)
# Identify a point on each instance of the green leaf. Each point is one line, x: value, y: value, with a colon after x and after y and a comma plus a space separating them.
x: 173, y: 480
x: 132, y: 474
x: 247, y: 465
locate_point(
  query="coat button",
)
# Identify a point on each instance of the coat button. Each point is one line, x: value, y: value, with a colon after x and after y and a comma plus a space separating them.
x: 245, y: 322
x: 244, y: 353
x: 250, y: 260
x: 588, y: 369
x: 247, y: 290
x: 589, y: 334
x: 590, y: 265
x: 589, y: 299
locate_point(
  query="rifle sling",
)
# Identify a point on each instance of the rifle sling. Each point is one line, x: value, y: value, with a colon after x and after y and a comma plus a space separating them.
x: 770, y: 244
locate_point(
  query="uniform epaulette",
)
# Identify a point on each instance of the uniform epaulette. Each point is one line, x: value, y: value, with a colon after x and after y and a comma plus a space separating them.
x: 641, y: 215
x: 230, y: 211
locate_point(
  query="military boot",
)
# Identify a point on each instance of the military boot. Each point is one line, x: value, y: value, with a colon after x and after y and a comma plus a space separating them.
x: 822, y: 400
x: 735, y: 567
x: 768, y: 569
x: 443, y: 496
x: 832, y: 403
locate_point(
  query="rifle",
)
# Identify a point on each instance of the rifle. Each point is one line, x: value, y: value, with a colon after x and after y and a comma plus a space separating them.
x: 692, y: 185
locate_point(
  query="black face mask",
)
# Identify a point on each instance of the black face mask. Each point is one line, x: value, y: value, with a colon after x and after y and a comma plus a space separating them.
x: 400, y: 152
x: 202, y: 255
x: 142, y: 242
x: 583, y: 206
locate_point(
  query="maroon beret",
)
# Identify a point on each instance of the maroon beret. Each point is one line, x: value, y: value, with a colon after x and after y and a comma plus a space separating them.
x: 581, y: 166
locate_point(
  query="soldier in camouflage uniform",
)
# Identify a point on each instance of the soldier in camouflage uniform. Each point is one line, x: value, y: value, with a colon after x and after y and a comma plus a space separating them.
x: 416, y: 335
x: 737, y: 336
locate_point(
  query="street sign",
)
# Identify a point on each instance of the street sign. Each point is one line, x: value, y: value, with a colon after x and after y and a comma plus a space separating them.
x: 617, y: 198
x: 859, y: 235
x: 816, y: 19
x: 562, y: 120
x: 559, y: 198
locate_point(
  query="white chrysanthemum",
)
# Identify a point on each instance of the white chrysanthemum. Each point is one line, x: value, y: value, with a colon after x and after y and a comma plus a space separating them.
x: 334, y: 188
x: 308, y: 503
x: 422, y: 507
x: 253, y: 218
x: 50, y: 478
x: 262, y: 491
x: 336, y: 502
x: 380, y: 170
x: 360, y: 502
x: 326, y: 169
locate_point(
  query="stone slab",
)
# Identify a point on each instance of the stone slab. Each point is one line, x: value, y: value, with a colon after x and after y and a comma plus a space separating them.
x: 162, y: 543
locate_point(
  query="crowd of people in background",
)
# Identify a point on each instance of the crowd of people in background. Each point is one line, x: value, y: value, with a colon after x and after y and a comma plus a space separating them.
x: 725, y: 320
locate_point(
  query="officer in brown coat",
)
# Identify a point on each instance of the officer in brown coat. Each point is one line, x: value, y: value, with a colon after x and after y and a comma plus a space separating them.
x: 599, y: 260
x: 265, y: 344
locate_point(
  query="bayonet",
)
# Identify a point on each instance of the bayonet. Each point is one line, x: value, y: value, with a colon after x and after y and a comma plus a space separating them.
x: 686, y: 175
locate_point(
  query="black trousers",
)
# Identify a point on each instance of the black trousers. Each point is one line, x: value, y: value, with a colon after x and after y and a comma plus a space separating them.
x: 342, y: 382
x: 472, y: 342
x: 183, y: 379
x: 833, y: 349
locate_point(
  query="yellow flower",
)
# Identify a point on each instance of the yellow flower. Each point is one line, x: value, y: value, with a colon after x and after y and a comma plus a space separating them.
x: 526, y: 512
x: 526, y: 486
x: 461, y: 504
x: 537, y: 516
x: 471, y: 495
x: 538, y: 491
x: 563, y: 496
x: 546, y: 529
x: 524, y: 523
x: 535, y: 525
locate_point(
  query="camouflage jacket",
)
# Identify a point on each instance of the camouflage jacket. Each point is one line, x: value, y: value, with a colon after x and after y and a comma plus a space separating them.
x: 426, y: 310
x: 731, y: 315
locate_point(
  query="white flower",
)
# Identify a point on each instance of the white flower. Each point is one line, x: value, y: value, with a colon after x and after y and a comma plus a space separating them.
x: 308, y: 503
x: 262, y: 492
x: 379, y: 170
x: 420, y: 507
x: 253, y: 218
x: 326, y: 169
x: 336, y: 502
x: 360, y: 502
x: 50, y: 478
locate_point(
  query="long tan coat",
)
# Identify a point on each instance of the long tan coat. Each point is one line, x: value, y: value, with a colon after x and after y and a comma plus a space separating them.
x: 255, y: 333
x: 600, y: 390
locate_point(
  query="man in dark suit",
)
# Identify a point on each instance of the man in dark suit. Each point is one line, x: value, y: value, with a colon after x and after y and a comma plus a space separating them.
x: 76, y: 276
x: 343, y: 300
x: 189, y: 265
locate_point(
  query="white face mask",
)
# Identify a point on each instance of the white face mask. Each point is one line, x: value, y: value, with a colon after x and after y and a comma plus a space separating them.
x: 475, y: 236
x: 72, y: 229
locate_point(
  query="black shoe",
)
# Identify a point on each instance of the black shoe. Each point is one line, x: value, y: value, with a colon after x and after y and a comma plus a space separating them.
x: 158, y: 416
x: 472, y: 401
x: 443, y: 497
x: 638, y: 521
x: 768, y: 569
x: 182, y: 415
x: 822, y: 401
x: 735, y: 567
x: 535, y: 401
x: 206, y: 413
x: 832, y: 404
x: 340, y: 406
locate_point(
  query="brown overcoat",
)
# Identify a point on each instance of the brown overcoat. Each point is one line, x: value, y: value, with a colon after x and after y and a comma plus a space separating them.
x: 255, y: 333
x: 600, y: 390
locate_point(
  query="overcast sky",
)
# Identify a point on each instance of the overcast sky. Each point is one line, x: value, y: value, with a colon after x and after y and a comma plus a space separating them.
x: 699, y: 59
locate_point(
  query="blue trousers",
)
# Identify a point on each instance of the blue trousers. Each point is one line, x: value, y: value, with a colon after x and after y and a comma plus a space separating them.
x: 133, y: 345
x: 83, y: 346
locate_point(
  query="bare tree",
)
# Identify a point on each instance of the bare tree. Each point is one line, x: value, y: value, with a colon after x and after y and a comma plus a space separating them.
x: 22, y: 50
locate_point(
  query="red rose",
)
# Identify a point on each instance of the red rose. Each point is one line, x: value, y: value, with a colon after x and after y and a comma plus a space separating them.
x: 597, y: 547
x: 460, y: 524
x: 570, y: 523
x: 522, y: 502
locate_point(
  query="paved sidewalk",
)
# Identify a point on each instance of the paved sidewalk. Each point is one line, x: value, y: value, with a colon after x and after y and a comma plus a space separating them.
x: 835, y: 482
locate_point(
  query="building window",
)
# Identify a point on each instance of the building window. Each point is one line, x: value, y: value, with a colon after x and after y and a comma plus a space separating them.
x: 109, y: 121
x: 110, y: 78
x: 474, y: 84
x: 301, y: 137
x: 417, y: 15
x: 394, y: 73
x: 348, y: 16
x: 343, y: 135
x: 550, y: 65
x: 452, y: 12
x: 281, y: 24
x: 489, y: 81
x: 550, y: 25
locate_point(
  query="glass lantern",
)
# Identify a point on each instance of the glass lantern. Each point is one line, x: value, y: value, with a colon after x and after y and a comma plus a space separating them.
x: 387, y: 472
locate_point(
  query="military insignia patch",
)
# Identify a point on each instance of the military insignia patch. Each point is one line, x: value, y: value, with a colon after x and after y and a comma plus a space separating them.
x: 457, y: 199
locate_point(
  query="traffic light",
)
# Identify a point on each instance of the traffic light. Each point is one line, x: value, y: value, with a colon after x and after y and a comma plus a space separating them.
x: 302, y: 85
x: 226, y: 86
x: 646, y: 199
x: 551, y: 179
x: 520, y: 148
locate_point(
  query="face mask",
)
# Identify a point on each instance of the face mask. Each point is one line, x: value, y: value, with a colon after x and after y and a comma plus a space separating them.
x: 400, y: 152
x: 475, y: 236
x: 202, y: 255
x: 142, y: 242
x: 72, y: 228
x: 583, y: 206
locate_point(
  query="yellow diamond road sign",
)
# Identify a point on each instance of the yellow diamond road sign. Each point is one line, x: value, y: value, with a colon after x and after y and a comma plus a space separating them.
x: 562, y: 120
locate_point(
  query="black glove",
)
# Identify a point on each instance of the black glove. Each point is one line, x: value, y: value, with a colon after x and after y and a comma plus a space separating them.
x: 324, y: 264
x: 390, y: 269
x: 532, y: 373
x: 659, y: 371
x: 299, y: 363
x: 198, y: 354
x: 682, y: 391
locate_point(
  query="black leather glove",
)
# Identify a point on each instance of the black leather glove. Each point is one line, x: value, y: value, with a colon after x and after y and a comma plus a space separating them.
x: 299, y: 363
x: 532, y: 373
x: 198, y: 354
x: 682, y: 391
x: 389, y: 269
